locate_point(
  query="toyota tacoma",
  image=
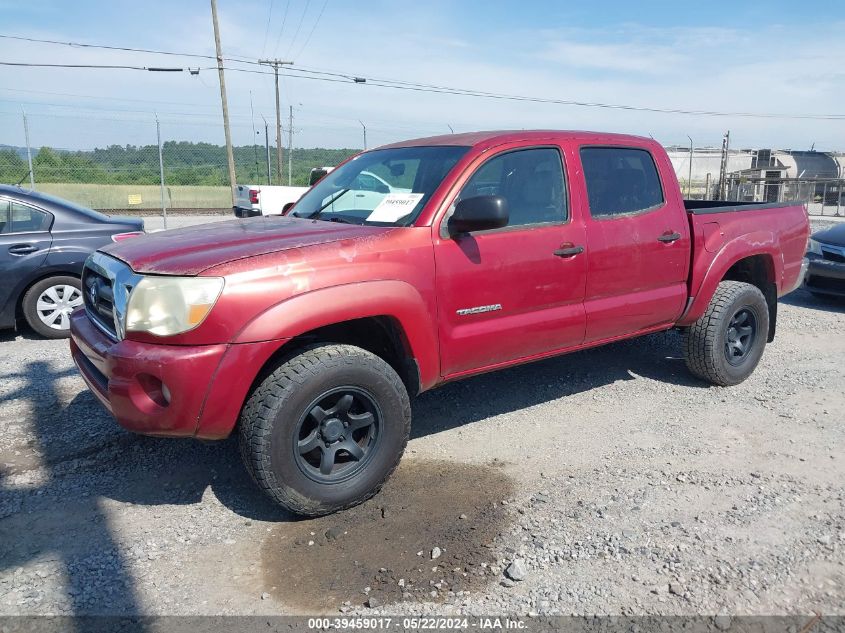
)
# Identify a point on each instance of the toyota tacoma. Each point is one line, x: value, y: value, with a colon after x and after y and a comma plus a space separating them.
x: 308, y: 333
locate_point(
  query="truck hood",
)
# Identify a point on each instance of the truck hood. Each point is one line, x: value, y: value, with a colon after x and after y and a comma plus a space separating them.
x: 191, y: 250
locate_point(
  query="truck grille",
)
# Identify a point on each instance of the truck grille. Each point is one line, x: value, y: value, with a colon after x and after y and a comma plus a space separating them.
x: 98, y: 296
x: 106, y: 284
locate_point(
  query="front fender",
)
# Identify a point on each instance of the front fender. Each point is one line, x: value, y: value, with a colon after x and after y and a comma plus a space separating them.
x: 748, y: 245
x: 328, y: 306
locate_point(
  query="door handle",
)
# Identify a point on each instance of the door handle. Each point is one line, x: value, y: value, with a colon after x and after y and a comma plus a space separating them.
x: 22, y: 249
x: 570, y: 251
x: 669, y: 237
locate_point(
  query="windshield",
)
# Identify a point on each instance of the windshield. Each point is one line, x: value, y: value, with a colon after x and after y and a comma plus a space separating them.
x: 385, y: 187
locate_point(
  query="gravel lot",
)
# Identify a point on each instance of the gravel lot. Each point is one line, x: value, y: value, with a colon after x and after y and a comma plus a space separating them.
x: 604, y: 482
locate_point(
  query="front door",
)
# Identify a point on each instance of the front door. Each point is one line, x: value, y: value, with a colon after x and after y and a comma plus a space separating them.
x: 638, y: 241
x: 517, y: 291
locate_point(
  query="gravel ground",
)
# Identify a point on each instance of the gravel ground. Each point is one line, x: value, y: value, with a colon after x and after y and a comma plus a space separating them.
x: 604, y: 482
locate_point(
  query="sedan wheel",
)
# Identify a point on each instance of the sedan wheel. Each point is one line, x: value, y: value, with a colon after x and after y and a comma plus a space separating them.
x: 47, y: 305
x: 55, y: 305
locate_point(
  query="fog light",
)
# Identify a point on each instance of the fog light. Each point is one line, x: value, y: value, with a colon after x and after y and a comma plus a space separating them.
x: 154, y: 389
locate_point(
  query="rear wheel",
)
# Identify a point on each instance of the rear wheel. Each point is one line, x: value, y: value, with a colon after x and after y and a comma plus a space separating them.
x: 724, y: 346
x: 326, y: 429
x: 47, y: 305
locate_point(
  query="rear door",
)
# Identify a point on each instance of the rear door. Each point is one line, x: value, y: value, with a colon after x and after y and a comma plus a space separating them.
x: 505, y: 294
x: 24, y: 243
x: 638, y: 241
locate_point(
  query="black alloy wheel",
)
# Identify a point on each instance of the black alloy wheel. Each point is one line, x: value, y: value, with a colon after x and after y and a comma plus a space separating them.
x: 337, y: 435
x: 739, y: 338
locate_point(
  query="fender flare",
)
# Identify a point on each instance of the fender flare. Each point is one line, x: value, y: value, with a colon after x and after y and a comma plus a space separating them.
x: 336, y: 304
x: 745, y: 246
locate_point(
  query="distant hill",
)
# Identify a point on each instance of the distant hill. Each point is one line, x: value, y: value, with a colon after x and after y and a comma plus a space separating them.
x: 185, y: 163
x: 20, y: 151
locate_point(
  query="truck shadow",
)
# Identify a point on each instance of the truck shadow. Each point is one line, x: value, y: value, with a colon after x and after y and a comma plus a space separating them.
x: 803, y: 299
x: 43, y: 516
x: 62, y: 488
x: 656, y: 357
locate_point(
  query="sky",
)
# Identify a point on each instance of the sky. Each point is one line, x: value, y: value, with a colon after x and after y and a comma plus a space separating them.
x: 772, y: 57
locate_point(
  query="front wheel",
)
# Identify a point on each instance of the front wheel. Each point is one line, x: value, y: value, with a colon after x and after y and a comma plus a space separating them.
x: 724, y: 346
x: 326, y: 429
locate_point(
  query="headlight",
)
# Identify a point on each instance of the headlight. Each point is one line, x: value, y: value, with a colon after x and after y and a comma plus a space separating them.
x: 814, y: 247
x: 171, y: 305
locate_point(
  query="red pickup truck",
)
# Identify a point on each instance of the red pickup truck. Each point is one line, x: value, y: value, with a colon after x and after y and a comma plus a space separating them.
x: 467, y: 253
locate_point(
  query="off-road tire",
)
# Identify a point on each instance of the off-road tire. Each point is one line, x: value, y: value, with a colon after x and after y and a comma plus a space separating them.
x: 29, y: 304
x: 704, y: 341
x: 270, y: 418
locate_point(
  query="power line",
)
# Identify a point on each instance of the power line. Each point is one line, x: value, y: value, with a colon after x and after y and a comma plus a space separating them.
x: 281, y: 28
x: 267, y: 28
x: 94, y: 66
x: 104, y: 46
x: 397, y: 85
x: 409, y: 85
x: 235, y: 58
x: 298, y: 27
x: 313, y: 28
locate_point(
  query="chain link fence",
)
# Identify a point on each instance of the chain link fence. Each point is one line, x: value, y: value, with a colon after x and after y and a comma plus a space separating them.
x: 823, y: 196
x: 156, y: 169
x: 142, y: 178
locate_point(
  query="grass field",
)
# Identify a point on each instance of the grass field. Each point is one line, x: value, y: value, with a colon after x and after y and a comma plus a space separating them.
x: 140, y: 196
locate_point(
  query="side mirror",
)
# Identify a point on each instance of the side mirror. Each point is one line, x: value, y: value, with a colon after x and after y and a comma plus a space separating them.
x: 479, y: 214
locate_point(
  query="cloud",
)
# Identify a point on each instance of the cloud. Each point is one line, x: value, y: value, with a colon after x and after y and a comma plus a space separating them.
x: 775, y: 68
x: 612, y: 57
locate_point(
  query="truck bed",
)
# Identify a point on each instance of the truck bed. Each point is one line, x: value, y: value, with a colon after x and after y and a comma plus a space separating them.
x: 772, y: 235
x: 702, y: 207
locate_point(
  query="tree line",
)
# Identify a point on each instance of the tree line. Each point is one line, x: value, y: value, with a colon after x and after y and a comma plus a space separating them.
x: 185, y: 163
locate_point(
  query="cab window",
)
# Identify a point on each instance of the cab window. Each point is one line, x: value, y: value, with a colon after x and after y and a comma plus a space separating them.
x: 531, y: 180
x: 620, y: 181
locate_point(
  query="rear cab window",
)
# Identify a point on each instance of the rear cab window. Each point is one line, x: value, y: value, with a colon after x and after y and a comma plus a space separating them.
x: 620, y: 181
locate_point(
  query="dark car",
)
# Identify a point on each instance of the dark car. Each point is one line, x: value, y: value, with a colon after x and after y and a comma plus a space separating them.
x: 826, y: 273
x: 44, y: 242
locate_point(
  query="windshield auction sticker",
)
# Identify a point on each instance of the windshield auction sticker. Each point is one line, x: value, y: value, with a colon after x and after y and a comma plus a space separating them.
x: 394, y: 206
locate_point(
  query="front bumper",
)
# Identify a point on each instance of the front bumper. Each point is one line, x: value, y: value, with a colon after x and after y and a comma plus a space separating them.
x: 825, y: 277
x: 167, y: 390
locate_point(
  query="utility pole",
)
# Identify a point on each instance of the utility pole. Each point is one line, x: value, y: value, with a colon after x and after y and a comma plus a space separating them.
x: 28, y: 151
x: 229, y: 154
x: 365, y: 133
x: 276, y: 64
x: 161, y: 174
x: 723, y: 167
x: 689, y: 178
x: 267, y: 147
x: 290, y: 146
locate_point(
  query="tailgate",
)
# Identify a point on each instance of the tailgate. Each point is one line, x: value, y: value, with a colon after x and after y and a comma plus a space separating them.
x: 242, y: 197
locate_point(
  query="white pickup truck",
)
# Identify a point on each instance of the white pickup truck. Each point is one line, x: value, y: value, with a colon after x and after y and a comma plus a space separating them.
x: 254, y: 200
